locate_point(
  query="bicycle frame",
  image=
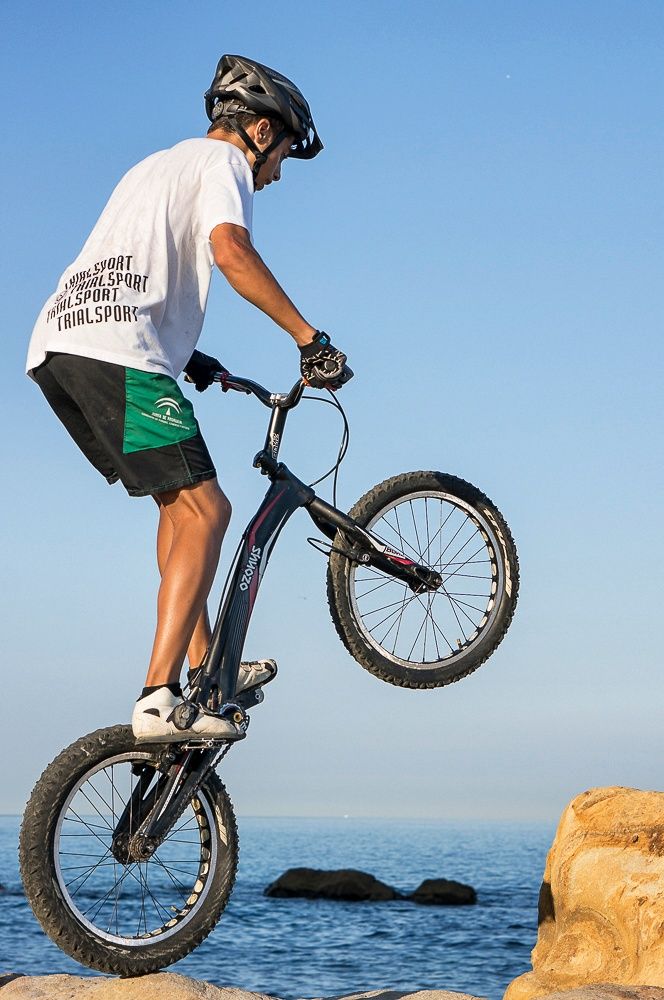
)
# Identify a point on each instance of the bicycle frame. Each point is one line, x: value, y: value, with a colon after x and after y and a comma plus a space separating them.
x: 184, y: 765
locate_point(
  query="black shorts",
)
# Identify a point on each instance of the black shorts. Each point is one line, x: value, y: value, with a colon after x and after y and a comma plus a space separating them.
x: 131, y: 425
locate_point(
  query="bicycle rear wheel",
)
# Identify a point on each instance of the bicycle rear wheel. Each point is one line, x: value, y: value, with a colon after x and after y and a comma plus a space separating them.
x: 103, y: 908
x: 432, y: 639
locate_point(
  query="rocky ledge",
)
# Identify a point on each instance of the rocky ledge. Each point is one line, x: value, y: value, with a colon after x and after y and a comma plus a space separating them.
x: 352, y: 885
x: 170, y: 986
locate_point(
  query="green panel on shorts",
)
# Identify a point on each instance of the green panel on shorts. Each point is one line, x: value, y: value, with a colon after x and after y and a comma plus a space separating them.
x: 156, y: 412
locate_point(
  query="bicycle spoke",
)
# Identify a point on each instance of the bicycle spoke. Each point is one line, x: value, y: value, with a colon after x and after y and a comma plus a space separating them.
x: 462, y: 565
x: 435, y: 623
x: 116, y: 902
x: 459, y: 529
x: 392, y: 614
x: 384, y: 607
x: 453, y: 607
x: 87, y: 873
x: 157, y: 905
x: 425, y: 556
x: 416, y: 638
x: 100, y: 902
x: 177, y: 885
x: 403, y: 606
x: 94, y: 789
x: 426, y: 628
x: 395, y: 622
x: 383, y: 584
x: 101, y: 815
x: 464, y: 604
x: 460, y: 550
x: 417, y: 536
x: 107, y: 830
x: 404, y: 544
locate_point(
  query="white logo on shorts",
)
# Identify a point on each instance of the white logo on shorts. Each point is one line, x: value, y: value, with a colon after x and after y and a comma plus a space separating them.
x: 167, y: 403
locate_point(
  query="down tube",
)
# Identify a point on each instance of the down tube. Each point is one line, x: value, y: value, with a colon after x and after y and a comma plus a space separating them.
x: 282, y: 498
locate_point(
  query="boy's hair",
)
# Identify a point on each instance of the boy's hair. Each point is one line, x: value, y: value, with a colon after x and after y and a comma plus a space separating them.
x: 229, y: 123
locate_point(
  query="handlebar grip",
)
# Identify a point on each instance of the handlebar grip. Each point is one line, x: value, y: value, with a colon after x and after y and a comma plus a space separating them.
x: 330, y: 371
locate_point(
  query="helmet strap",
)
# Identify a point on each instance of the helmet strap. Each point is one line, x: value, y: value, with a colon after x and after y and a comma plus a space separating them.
x: 260, y: 155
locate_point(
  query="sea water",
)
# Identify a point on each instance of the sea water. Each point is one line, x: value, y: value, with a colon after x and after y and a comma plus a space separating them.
x: 294, y: 948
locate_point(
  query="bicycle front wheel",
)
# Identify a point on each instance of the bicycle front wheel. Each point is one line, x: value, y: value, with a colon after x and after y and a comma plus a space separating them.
x: 103, y: 908
x: 426, y: 640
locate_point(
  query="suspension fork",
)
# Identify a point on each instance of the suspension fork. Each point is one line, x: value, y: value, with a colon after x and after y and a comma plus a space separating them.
x: 368, y: 550
x: 148, y: 818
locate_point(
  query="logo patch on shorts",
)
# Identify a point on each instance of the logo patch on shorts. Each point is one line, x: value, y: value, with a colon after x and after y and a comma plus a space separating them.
x: 166, y: 403
x: 156, y: 412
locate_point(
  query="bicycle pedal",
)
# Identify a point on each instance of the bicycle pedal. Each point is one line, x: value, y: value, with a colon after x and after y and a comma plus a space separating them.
x: 205, y: 743
x: 249, y: 699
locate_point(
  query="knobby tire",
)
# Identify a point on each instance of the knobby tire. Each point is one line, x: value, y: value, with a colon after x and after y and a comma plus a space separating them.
x: 55, y: 889
x: 434, y: 639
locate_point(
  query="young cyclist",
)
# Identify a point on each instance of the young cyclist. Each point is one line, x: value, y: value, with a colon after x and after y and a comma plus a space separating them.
x: 123, y: 324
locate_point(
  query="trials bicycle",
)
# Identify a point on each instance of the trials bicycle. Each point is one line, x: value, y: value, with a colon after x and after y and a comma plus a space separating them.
x: 128, y: 850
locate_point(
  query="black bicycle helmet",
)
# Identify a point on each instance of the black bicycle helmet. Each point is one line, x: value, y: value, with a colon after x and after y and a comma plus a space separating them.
x: 242, y: 84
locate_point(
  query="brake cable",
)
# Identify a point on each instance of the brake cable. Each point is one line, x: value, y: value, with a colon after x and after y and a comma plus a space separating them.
x: 343, y: 447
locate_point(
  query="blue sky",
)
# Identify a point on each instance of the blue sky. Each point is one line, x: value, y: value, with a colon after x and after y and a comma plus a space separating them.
x: 483, y: 236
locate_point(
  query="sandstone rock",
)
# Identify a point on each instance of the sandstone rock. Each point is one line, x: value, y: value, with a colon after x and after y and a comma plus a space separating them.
x: 601, y: 908
x: 347, y: 883
x: 8, y: 977
x: 170, y: 986
x: 160, y: 986
x: 399, y: 995
x: 609, y: 991
x: 442, y: 892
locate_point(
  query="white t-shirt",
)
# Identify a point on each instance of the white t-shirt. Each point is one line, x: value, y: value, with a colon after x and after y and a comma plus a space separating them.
x: 136, y: 293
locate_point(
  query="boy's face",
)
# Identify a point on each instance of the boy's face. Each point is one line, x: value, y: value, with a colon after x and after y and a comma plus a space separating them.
x: 271, y: 169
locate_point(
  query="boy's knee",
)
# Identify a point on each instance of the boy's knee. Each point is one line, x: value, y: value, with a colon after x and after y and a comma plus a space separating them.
x: 223, y: 511
x: 214, y: 508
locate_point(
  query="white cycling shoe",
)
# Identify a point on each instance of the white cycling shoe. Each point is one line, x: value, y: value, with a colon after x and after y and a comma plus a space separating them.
x: 252, y: 674
x: 152, y: 720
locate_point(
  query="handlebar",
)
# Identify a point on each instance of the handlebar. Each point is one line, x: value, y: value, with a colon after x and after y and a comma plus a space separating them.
x: 282, y: 401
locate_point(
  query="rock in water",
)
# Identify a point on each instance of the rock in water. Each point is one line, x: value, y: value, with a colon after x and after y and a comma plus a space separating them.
x: 347, y: 883
x: 442, y: 892
x: 601, y: 908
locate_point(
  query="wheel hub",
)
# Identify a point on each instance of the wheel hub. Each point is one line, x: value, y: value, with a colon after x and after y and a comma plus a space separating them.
x: 142, y: 848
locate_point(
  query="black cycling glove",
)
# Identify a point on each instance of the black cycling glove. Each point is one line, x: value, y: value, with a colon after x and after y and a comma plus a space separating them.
x: 201, y: 368
x: 322, y: 366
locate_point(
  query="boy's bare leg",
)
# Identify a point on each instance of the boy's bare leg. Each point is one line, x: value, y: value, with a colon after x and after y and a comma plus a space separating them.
x: 202, y: 633
x: 192, y: 524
